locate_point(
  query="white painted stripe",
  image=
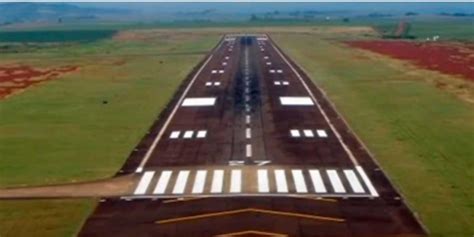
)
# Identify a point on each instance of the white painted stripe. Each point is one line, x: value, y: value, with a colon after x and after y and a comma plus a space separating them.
x: 203, y: 101
x: 144, y: 182
x: 236, y: 181
x: 217, y: 181
x: 277, y: 83
x: 162, y: 182
x: 214, y: 71
x: 308, y: 133
x: 295, y: 133
x: 199, y: 181
x: 248, y: 133
x: 208, y: 83
x: 174, y: 134
x: 247, y: 119
x: 221, y: 71
x: 181, y: 182
x: 201, y: 134
x: 224, y: 64
x: 226, y: 57
x: 298, y: 178
x: 269, y: 63
x: 321, y: 133
x: 318, y: 183
x: 217, y: 83
x: 280, y: 178
x: 279, y: 71
x: 263, y: 186
x: 285, y: 83
x: 335, y: 181
x: 367, y: 182
x: 293, y: 100
x: 272, y: 71
x: 353, y: 181
x: 248, y: 150
x: 188, y: 134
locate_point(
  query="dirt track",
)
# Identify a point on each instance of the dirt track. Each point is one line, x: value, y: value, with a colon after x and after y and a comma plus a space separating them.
x: 257, y: 204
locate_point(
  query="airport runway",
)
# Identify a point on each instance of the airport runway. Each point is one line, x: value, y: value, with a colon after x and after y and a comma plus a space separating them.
x: 249, y: 146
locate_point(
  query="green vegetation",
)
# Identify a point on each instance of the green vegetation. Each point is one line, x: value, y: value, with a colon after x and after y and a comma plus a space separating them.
x: 422, y: 136
x: 55, y: 36
x: 83, y: 125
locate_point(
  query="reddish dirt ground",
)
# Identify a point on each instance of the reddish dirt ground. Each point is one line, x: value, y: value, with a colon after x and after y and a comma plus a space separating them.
x: 19, y: 77
x: 446, y: 58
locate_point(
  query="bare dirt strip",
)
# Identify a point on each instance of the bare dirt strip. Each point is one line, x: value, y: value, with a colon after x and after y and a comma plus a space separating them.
x: 454, y: 59
x: 16, y: 78
x: 266, y: 215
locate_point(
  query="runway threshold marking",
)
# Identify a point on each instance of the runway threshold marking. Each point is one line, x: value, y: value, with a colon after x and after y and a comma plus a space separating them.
x: 256, y: 210
x: 170, y: 117
x: 359, y: 168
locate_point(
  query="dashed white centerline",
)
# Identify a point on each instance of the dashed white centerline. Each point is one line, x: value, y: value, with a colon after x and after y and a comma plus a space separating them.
x: 248, y: 133
x: 247, y: 119
x: 248, y: 150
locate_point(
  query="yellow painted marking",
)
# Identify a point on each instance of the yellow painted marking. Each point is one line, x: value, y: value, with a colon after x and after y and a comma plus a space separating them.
x: 254, y: 232
x: 238, y: 211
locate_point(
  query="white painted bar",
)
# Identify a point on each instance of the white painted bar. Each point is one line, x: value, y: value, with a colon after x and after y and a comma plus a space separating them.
x: 224, y: 64
x: 248, y: 150
x: 317, y: 180
x: 144, y: 182
x: 266, y: 57
x: 293, y: 100
x: 295, y: 133
x: 269, y: 63
x: 217, y: 181
x: 174, y: 134
x: 217, y: 83
x: 202, y: 101
x: 263, y: 186
x: 277, y: 83
x: 247, y: 119
x: 221, y: 71
x: 214, y: 71
x: 298, y: 178
x: 188, y: 134
x: 248, y: 133
x: 353, y: 181
x: 181, y: 182
x: 201, y: 134
x: 208, y: 83
x: 236, y: 181
x: 162, y: 182
x: 308, y: 133
x: 226, y: 57
x: 199, y: 181
x: 367, y: 182
x: 280, y: 178
x: 285, y: 83
x: 272, y: 71
x: 335, y: 181
x: 279, y: 71
x: 321, y: 133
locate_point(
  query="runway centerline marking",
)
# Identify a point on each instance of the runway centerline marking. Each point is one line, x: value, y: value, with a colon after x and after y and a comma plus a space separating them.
x: 248, y: 150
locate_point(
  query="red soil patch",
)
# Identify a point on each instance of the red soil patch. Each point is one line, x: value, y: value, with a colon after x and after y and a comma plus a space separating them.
x: 17, y: 78
x: 450, y: 59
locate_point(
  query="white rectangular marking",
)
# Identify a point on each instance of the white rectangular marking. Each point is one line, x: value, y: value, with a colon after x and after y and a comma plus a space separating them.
x: 201, y: 134
x: 269, y: 63
x: 214, y: 71
x: 321, y: 133
x: 285, y: 83
x: 199, y: 181
x: 300, y: 185
x: 296, y: 101
x: 308, y: 133
x: 226, y: 57
x: 247, y: 119
x: 248, y: 150
x: 236, y: 181
x: 224, y: 64
x: 221, y: 71
x: 280, y: 178
x: 367, y: 182
x: 279, y: 71
x: 217, y: 181
x: 295, y: 133
x: 208, y: 83
x: 188, y: 134
x: 174, y: 134
x: 277, y: 83
x: 266, y: 57
x: 144, y: 182
x: 335, y: 181
x: 248, y: 133
x: 272, y: 71
x: 262, y: 176
x: 202, y: 101
x: 318, y: 183
x: 217, y: 83
x: 181, y: 182
x: 353, y: 181
x: 162, y: 182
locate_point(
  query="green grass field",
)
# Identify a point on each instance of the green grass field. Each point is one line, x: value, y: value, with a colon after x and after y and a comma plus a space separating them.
x: 422, y: 136
x: 61, y: 131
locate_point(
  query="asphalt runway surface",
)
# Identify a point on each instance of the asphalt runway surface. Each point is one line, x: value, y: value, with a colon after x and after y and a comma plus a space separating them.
x: 249, y: 146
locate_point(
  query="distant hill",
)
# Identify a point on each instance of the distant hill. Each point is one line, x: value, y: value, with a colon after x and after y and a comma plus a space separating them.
x: 47, y: 12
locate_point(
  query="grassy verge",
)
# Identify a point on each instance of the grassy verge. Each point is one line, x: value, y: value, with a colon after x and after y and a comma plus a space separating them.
x: 422, y: 136
x: 83, y: 125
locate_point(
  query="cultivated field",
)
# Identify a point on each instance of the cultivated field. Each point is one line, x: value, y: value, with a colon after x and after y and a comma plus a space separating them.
x: 82, y: 125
